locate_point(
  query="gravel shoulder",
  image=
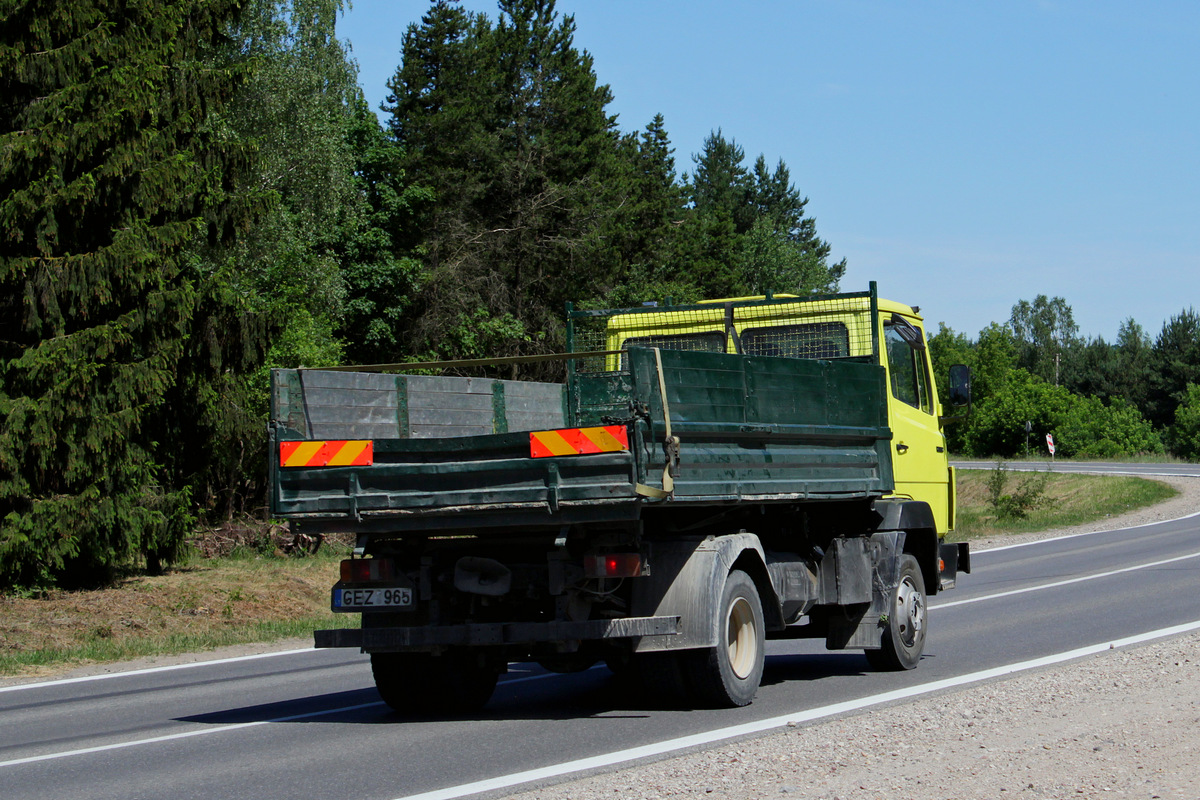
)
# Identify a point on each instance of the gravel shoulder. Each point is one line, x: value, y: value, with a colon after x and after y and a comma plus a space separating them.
x: 1123, y: 724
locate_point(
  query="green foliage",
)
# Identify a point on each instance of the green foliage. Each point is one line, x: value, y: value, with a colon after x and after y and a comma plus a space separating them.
x: 753, y: 237
x: 1185, y: 433
x: 997, y: 425
x: 1174, y: 363
x: 947, y: 348
x: 1112, y: 371
x: 1090, y: 429
x: 109, y: 171
x: 506, y: 127
x: 1083, y: 427
x: 1045, y: 330
x: 1029, y: 494
x: 535, y: 199
x: 275, y: 295
x: 995, y: 358
x: 380, y: 277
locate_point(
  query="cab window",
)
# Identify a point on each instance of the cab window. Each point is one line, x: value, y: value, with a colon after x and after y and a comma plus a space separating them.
x: 906, y: 364
x: 811, y: 340
x: 708, y: 342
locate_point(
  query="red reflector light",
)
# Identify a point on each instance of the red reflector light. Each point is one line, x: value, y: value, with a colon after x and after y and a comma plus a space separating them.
x: 941, y: 565
x: 365, y: 570
x: 613, y: 565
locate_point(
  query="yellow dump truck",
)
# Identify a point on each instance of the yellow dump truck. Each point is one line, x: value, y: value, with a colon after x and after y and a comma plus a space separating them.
x: 708, y: 476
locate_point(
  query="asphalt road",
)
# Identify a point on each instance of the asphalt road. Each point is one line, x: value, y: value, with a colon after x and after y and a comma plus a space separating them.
x: 310, y: 725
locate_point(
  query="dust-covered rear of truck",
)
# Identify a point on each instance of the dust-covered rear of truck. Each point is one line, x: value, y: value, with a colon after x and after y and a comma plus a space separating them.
x: 708, y: 476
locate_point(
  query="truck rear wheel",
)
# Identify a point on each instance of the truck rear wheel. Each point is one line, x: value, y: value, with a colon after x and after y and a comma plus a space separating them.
x: 904, y: 634
x: 728, y: 675
x: 420, y: 683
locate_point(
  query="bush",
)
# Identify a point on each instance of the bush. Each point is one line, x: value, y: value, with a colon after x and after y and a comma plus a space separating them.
x: 1090, y: 429
x: 997, y: 423
x: 1028, y: 495
x: 1185, y: 433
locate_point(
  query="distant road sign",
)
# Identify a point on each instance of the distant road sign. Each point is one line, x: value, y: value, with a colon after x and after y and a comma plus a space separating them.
x: 1050, y: 442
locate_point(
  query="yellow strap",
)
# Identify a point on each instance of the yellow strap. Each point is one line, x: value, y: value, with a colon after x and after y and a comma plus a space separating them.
x: 668, y: 482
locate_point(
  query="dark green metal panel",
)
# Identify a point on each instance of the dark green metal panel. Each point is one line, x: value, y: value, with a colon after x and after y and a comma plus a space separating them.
x: 594, y: 396
x: 402, y: 423
x: 499, y: 415
x: 447, y: 475
x: 767, y: 428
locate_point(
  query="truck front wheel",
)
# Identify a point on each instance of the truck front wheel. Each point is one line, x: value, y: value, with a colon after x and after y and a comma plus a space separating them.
x: 904, y: 632
x: 456, y: 682
x: 728, y: 675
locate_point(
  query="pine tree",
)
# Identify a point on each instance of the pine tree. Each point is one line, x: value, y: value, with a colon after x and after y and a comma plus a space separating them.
x: 749, y: 234
x: 381, y: 277
x: 109, y: 170
x: 1175, y: 363
x: 506, y: 126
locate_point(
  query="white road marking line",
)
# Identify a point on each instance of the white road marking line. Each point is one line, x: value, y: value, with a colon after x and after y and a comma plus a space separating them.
x: 732, y: 732
x: 150, y: 670
x: 1066, y: 582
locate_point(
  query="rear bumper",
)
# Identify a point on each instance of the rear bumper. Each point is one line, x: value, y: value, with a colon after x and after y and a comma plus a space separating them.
x: 500, y: 633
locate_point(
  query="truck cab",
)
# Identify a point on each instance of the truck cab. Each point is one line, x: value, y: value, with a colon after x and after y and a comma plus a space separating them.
x: 787, y: 326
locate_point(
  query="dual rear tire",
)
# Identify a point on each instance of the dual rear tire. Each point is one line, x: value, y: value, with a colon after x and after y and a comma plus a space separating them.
x: 456, y: 682
x: 724, y: 676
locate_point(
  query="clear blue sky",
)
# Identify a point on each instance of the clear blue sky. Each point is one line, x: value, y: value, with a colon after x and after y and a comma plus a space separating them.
x: 964, y: 154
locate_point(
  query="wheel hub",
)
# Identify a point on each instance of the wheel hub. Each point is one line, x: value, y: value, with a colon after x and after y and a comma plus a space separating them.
x: 910, y: 611
x: 742, y: 643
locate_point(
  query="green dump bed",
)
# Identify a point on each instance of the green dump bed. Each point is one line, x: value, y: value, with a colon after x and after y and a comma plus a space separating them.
x: 454, y: 453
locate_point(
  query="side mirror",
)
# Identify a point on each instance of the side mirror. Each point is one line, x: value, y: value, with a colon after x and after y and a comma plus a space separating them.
x: 960, y: 392
x: 960, y: 385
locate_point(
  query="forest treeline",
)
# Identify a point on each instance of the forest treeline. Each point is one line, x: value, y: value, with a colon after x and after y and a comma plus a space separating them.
x: 195, y: 191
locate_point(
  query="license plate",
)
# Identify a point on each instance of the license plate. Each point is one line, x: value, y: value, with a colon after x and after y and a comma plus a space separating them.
x: 384, y: 597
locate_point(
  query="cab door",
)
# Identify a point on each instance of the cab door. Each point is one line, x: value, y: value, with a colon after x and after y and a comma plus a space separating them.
x: 919, y: 457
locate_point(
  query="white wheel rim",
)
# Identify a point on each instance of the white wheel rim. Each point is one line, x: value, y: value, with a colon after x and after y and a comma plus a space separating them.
x: 742, y: 638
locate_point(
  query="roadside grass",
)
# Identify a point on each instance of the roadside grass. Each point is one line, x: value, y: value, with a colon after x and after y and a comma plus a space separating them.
x: 1068, y: 500
x: 254, y: 594
x: 207, y: 603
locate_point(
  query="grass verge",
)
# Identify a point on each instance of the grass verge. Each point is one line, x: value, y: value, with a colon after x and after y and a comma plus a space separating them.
x: 207, y: 604
x: 1068, y: 500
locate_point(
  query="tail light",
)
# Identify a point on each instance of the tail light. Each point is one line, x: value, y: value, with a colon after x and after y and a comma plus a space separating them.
x: 613, y: 565
x: 366, y: 570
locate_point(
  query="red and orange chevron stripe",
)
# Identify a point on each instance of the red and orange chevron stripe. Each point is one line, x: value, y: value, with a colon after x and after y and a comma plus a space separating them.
x: 578, y: 441
x: 327, y: 454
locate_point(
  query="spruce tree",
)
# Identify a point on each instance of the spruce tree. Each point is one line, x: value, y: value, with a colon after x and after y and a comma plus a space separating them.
x: 109, y: 170
x: 505, y: 125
